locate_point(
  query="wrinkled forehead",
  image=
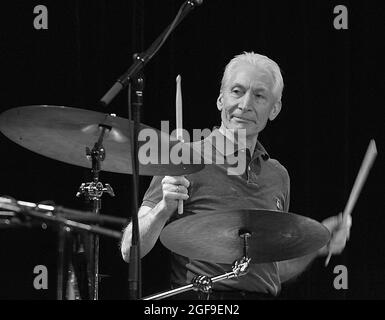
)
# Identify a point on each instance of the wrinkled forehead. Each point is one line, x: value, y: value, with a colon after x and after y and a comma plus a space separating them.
x: 250, y: 75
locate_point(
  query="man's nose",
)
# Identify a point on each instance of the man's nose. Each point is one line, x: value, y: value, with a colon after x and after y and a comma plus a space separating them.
x: 246, y: 104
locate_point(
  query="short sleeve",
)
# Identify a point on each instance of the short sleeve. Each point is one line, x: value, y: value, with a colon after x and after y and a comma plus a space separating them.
x: 287, y: 192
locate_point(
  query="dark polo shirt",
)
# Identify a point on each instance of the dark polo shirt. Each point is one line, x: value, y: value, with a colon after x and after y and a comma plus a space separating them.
x: 264, y: 184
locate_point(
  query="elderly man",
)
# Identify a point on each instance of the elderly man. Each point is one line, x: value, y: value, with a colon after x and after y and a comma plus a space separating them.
x: 250, y: 95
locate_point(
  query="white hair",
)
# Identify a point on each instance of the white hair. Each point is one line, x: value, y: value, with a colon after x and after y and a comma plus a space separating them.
x: 257, y: 60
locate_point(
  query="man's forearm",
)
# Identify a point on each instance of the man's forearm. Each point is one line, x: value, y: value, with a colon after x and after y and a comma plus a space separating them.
x: 151, y: 224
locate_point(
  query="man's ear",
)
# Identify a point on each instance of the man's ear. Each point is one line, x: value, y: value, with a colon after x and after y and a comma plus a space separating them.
x: 220, y: 102
x: 275, y: 110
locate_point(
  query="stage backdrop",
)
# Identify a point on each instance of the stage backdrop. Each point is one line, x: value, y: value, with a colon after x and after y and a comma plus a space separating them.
x: 332, y: 107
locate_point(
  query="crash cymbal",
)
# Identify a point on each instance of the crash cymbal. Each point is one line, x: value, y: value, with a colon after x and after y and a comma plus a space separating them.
x: 63, y: 133
x: 214, y: 237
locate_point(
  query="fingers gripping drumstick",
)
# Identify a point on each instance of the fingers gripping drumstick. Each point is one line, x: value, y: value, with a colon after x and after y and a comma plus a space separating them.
x: 366, y: 165
x: 179, y: 123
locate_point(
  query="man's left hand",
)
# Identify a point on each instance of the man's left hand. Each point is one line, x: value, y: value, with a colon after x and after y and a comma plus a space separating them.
x: 339, y: 229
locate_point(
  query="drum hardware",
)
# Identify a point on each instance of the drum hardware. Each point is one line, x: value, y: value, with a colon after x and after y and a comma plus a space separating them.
x: 73, y: 277
x: 9, y: 219
x: 58, y: 216
x: 72, y: 290
x: 204, y: 284
x: 222, y: 237
x: 93, y: 191
x: 56, y: 132
x: 260, y: 236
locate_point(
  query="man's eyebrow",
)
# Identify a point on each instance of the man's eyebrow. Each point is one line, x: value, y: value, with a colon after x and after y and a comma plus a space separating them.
x: 237, y: 84
x: 259, y: 88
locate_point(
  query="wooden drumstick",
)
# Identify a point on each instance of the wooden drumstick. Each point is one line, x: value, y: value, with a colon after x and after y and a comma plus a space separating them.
x: 366, y: 165
x: 179, y: 123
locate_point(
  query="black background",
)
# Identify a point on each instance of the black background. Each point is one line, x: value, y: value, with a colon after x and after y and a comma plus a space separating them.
x: 332, y: 107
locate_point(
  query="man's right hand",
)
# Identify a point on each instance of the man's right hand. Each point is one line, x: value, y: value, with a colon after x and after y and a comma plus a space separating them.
x: 174, y: 189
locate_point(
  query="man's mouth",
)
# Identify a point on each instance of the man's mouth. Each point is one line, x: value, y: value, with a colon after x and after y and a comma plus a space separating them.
x: 241, y: 119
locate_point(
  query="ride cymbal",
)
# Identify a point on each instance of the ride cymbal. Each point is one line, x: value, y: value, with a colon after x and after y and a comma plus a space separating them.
x: 215, y: 237
x: 63, y: 133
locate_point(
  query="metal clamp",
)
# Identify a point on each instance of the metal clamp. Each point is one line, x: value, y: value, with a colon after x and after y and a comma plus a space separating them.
x: 94, y: 190
x: 202, y: 283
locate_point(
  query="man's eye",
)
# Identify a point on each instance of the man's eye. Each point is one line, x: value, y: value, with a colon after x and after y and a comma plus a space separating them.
x: 236, y: 91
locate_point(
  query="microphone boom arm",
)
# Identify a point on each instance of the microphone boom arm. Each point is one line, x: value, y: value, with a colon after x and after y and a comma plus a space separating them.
x: 143, y: 58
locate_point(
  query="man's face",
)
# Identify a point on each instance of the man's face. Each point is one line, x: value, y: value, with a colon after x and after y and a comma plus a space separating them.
x: 247, y: 101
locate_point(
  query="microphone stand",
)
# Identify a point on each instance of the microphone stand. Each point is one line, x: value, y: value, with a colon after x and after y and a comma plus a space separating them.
x: 134, y: 274
x: 140, y: 61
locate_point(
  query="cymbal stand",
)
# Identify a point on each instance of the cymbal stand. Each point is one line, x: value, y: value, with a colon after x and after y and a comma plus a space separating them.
x: 203, y: 283
x: 93, y: 191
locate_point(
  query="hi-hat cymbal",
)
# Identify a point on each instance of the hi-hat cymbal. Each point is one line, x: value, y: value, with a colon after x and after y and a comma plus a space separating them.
x: 214, y: 237
x: 63, y: 133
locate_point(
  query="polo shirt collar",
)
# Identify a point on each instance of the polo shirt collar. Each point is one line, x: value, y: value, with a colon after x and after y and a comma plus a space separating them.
x: 259, y: 150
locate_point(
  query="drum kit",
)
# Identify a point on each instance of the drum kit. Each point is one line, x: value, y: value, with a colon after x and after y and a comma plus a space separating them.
x: 68, y: 134
x: 105, y: 142
x: 87, y: 139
